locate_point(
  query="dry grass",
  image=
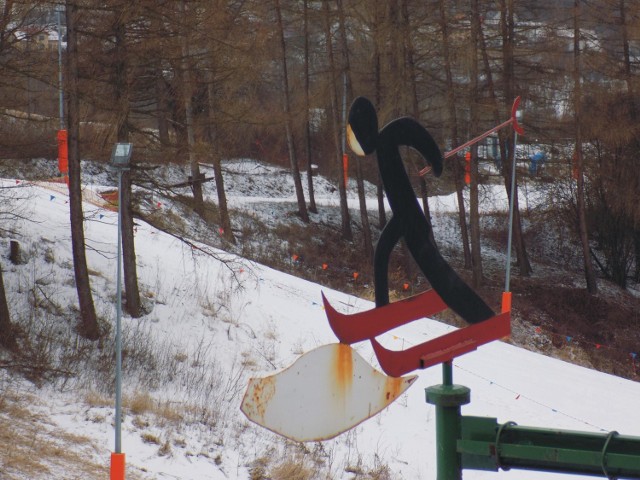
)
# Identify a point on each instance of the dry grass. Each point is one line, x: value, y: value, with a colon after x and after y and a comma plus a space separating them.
x: 95, y: 399
x: 291, y: 470
x: 164, y: 412
x: 34, y: 448
x: 139, y: 403
x: 37, y: 448
x: 150, y: 438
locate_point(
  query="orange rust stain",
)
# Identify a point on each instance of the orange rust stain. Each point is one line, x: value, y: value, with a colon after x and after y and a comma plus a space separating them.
x: 343, y: 367
x: 263, y: 391
x: 392, y: 388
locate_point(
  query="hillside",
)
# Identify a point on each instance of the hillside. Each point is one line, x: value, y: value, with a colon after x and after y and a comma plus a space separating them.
x: 553, y: 314
x: 214, y: 319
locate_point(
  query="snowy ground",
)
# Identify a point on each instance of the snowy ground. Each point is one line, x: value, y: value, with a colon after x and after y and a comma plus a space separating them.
x: 220, y: 320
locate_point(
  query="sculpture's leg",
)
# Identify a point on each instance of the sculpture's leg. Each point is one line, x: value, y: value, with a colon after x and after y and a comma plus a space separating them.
x: 388, y: 239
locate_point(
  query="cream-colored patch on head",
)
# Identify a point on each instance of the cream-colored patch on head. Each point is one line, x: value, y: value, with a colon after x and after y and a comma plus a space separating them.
x: 353, y: 142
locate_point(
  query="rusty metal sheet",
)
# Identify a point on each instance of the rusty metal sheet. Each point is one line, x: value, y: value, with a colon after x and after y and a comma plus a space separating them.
x: 325, y: 392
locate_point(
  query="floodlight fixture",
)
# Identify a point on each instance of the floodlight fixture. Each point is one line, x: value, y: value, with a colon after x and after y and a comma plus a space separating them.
x: 121, y: 155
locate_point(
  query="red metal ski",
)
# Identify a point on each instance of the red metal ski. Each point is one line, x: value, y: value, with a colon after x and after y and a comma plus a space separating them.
x: 444, y: 348
x: 371, y: 323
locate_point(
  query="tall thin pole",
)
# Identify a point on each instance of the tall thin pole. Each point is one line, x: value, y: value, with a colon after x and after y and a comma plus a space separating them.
x: 118, y: 323
x: 120, y: 161
x: 60, y: 89
x: 345, y: 156
x: 511, y: 206
x: 344, y: 113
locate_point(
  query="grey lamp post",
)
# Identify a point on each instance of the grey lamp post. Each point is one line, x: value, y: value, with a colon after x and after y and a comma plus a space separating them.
x: 59, y: 9
x: 120, y: 157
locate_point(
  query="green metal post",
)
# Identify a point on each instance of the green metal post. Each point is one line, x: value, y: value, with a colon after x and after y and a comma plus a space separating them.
x: 448, y: 398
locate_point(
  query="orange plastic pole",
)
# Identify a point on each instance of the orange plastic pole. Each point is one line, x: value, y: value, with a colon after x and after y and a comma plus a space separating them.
x: 506, y: 302
x: 467, y: 168
x: 63, y: 152
x: 345, y: 166
x: 117, y: 466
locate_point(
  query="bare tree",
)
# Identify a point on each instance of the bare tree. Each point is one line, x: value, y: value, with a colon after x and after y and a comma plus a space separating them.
x: 122, y: 102
x: 295, y: 170
x: 221, y: 18
x: 378, y: 19
x: 474, y: 216
x: 452, y: 121
x: 589, y: 272
x: 187, y: 94
x: 7, y: 329
x: 307, y: 109
x: 413, y: 102
x: 7, y: 333
x: 333, y: 78
x: 348, y: 94
x: 223, y: 209
x: 89, y: 327
x: 507, y: 140
x: 634, y: 110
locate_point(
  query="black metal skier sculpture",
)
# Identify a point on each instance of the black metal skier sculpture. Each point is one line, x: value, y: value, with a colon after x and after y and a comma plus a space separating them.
x: 408, y: 221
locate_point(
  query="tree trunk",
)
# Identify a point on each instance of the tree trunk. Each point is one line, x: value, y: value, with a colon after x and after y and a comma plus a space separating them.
x: 415, y: 105
x: 507, y: 145
x: 223, y: 209
x: 342, y: 189
x: 160, y: 86
x: 507, y: 37
x: 636, y: 246
x: 307, y: 109
x: 295, y: 171
x: 474, y: 214
x: 15, y: 252
x: 163, y: 108
x: 399, y: 17
x: 453, y: 129
x: 196, y: 177
x: 626, y: 54
x: 589, y: 272
x: 7, y: 329
x: 382, y: 216
x: 88, y: 327
x: 367, y: 242
x: 132, y: 293
x: 631, y: 88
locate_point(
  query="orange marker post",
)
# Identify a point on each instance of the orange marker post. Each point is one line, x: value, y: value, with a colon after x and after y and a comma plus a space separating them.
x: 506, y: 302
x: 467, y: 168
x: 63, y: 155
x: 345, y: 166
x: 117, y: 466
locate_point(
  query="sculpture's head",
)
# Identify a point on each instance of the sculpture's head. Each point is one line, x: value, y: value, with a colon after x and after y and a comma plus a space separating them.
x: 362, y: 129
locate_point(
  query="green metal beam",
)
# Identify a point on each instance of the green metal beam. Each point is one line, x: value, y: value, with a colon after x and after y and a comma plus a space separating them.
x: 486, y: 445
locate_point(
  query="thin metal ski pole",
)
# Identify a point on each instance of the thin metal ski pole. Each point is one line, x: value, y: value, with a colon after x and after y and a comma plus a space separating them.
x: 511, y: 206
x: 512, y: 121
